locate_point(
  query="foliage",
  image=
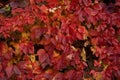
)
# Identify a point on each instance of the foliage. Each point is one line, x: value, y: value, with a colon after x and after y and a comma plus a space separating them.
x: 60, y: 40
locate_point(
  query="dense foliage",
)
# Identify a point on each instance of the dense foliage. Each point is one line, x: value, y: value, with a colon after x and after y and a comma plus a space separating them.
x: 59, y: 39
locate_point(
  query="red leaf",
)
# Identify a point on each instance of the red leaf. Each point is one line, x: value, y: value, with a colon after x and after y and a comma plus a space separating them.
x: 52, y: 3
x: 44, y: 9
x: 87, y: 2
x: 9, y: 71
x: 58, y: 76
x: 37, y: 31
x: 32, y: 2
x: 60, y: 64
x: 43, y: 58
x: 27, y: 47
x: 97, y: 63
x: 71, y: 75
x: 0, y: 68
x: 90, y: 11
x: 16, y: 70
x: 117, y: 3
x: 93, y: 33
x: 97, y: 6
x: 79, y: 36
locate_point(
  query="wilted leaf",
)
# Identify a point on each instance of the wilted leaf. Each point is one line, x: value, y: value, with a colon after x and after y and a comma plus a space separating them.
x: 83, y: 54
x: 32, y: 58
x: 25, y: 36
x: 98, y: 76
x: 56, y: 54
x: 16, y: 46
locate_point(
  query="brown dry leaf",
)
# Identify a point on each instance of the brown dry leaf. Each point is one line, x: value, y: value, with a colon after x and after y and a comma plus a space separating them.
x: 49, y: 70
x: 32, y: 58
x: 98, y: 76
x: 56, y: 54
x: 83, y: 54
x: 75, y: 49
x: 25, y: 35
x: 17, y: 47
x: 93, y: 50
